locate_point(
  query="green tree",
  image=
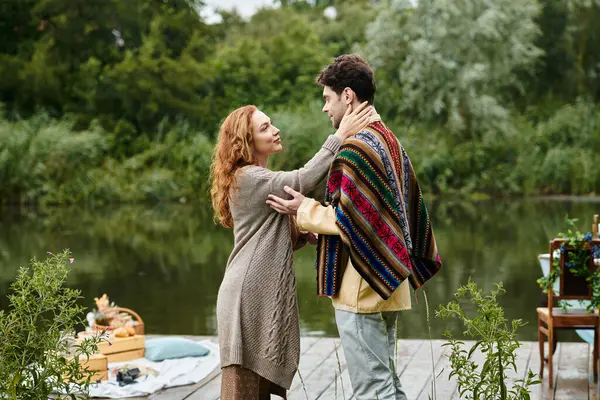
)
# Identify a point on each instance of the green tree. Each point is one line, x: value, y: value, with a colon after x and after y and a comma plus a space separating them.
x: 583, y: 28
x: 386, y: 47
x: 157, y: 80
x: 272, y: 61
x: 569, y: 67
x: 82, y: 49
x: 555, y: 66
x: 463, y: 58
x: 347, y: 30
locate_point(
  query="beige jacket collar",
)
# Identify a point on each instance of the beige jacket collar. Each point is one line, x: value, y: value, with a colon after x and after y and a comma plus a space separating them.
x: 375, y: 117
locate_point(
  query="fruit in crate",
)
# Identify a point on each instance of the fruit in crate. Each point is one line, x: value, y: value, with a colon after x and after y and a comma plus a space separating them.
x: 124, y: 331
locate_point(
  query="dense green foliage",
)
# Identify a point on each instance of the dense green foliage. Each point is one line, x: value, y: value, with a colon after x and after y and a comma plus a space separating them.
x: 111, y: 101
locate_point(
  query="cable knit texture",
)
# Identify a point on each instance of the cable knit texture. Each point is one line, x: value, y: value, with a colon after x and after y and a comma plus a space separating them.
x: 257, y: 308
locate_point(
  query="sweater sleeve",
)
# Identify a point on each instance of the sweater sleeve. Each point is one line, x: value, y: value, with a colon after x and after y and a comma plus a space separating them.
x: 298, y: 239
x: 303, y: 179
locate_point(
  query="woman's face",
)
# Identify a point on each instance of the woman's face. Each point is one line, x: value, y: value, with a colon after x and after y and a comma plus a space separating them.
x: 266, y: 135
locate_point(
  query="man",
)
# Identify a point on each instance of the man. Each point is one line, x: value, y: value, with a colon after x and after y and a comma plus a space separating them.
x: 374, y: 232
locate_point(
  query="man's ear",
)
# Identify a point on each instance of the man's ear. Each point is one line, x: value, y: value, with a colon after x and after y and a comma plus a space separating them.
x: 348, y: 96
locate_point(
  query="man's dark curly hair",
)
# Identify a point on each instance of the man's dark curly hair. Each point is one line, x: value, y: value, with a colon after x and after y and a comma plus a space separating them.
x: 352, y: 71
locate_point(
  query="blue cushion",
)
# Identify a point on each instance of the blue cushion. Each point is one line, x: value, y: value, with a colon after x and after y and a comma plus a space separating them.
x: 168, y: 348
x: 586, y: 334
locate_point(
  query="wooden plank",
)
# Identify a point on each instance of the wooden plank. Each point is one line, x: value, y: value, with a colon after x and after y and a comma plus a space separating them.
x: 306, y: 343
x: 406, y: 351
x: 310, y: 360
x: 324, y: 373
x: 445, y: 387
x: 414, y: 367
x: 428, y: 388
x: 534, y: 365
x: 407, y: 348
x: 176, y: 393
x: 209, y: 391
x: 592, y: 384
x: 521, y: 361
x: 543, y: 392
x: 340, y: 387
x: 212, y: 389
x: 419, y: 370
x: 572, y: 382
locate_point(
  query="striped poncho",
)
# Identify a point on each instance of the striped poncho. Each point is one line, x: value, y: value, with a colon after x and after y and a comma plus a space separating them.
x: 383, y: 221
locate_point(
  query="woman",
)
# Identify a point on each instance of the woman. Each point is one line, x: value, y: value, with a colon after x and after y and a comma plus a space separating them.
x: 257, y: 311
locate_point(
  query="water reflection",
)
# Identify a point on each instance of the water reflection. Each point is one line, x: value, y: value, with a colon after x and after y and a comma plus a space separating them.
x: 167, y: 262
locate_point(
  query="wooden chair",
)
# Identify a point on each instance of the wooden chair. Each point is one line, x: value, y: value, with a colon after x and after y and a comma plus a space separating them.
x: 552, y: 318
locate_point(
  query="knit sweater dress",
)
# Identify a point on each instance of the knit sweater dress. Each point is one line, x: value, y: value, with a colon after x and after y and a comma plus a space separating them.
x: 257, y: 308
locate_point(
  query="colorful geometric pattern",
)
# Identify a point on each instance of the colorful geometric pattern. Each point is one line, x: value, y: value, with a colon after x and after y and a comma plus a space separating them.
x: 384, y: 225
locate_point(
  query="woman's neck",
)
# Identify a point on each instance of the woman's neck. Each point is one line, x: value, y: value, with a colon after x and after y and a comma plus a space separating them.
x: 262, y: 160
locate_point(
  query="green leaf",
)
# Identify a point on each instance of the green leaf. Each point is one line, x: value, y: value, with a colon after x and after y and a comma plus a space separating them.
x: 474, y: 348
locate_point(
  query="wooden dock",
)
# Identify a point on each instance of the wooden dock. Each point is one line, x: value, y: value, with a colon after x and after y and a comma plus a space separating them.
x: 322, y: 360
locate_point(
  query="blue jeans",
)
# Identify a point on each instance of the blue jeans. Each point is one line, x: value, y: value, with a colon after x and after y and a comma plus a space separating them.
x: 369, y: 345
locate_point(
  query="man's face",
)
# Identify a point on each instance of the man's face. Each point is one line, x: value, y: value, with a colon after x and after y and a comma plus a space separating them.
x: 334, y: 106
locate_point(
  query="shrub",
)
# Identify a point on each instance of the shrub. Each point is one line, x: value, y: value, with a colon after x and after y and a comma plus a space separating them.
x: 37, y: 351
x: 495, y: 339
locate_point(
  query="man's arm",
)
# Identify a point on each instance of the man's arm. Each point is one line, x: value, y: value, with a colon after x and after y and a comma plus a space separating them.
x: 313, y: 217
x: 310, y: 215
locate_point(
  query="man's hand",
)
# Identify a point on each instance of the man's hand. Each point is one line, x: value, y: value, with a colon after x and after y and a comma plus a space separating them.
x: 311, y: 237
x: 282, y: 206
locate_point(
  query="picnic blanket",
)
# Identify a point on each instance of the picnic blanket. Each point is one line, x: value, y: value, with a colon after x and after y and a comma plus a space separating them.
x: 171, y: 373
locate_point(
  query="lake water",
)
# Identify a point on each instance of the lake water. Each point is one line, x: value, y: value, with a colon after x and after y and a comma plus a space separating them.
x: 167, y: 262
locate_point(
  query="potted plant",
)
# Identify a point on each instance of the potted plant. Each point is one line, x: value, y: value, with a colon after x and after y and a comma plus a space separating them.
x: 581, y: 277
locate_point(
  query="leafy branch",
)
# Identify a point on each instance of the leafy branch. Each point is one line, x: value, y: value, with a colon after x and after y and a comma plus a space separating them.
x: 38, y: 351
x: 495, y: 339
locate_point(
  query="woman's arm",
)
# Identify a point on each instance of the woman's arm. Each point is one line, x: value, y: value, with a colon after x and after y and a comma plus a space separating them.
x: 303, y: 179
x: 307, y: 177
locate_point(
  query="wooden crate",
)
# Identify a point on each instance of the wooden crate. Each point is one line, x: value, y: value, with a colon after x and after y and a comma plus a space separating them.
x: 99, y: 376
x: 98, y: 364
x: 118, y: 345
x: 126, y: 355
x: 123, y: 349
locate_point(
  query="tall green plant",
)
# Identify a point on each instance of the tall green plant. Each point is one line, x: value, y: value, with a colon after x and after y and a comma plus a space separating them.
x: 495, y: 338
x: 38, y: 354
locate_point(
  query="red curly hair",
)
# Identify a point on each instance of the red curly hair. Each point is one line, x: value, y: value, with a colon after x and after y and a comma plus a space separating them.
x: 233, y: 151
